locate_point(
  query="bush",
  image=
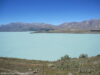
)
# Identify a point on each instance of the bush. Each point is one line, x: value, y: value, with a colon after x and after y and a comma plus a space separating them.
x: 65, y: 57
x: 83, y: 56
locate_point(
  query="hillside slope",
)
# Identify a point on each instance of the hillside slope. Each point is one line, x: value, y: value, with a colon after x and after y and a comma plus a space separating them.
x: 84, y: 26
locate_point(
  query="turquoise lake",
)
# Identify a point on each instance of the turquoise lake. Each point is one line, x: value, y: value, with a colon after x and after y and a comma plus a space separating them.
x: 47, y: 46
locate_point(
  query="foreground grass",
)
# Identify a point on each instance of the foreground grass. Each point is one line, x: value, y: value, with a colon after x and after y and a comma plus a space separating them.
x: 71, y: 66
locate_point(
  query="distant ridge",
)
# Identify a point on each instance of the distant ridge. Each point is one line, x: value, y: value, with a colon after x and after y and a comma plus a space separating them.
x: 87, y: 25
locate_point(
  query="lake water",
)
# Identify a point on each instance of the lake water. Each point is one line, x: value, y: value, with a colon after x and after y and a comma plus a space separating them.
x: 47, y: 46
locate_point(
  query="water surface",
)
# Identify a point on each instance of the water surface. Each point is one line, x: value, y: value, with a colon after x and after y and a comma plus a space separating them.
x: 47, y: 46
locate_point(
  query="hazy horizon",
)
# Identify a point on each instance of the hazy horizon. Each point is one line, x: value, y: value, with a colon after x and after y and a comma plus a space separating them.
x: 50, y: 23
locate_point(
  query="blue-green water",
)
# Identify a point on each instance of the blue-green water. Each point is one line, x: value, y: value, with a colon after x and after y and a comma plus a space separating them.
x: 47, y: 46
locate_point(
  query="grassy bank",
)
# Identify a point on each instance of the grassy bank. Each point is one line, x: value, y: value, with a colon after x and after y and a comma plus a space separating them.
x: 63, y: 66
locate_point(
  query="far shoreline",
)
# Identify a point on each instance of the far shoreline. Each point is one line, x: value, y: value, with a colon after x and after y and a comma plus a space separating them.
x: 31, y: 32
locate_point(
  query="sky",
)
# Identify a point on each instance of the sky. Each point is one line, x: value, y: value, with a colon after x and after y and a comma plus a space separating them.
x: 48, y: 11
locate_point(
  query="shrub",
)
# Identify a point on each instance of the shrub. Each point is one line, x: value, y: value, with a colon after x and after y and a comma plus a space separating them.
x: 83, y: 56
x: 66, y: 57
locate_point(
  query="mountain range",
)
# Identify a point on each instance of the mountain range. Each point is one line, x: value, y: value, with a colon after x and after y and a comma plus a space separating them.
x: 87, y: 25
